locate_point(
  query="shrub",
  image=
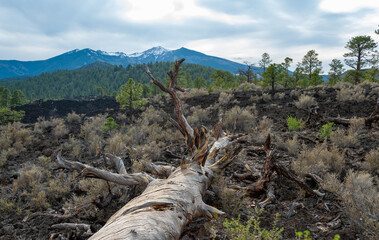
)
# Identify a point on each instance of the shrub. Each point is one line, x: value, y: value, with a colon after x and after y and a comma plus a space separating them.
x: 73, y: 118
x: 326, y: 130
x: 197, y: 92
x: 110, y: 124
x: 7, y: 115
x: 293, y: 123
x: 305, y: 102
x: 342, y: 138
x: 246, y: 118
x: 279, y: 95
x: 60, y: 130
x: 360, y: 196
x: 293, y: 145
x: 266, y: 97
x: 372, y: 161
x: 319, y: 160
x: 351, y: 93
x: 225, y: 98
x: 115, y: 144
x: 236, y: 230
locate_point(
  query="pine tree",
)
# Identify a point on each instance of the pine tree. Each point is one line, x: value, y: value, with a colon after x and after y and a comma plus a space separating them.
x: 336, y: 71
x: 131, y: 95
x: 312, y: 66
x: 360, y: 50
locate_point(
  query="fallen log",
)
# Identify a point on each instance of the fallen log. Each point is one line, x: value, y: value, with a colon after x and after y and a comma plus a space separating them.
x: 166, y: 206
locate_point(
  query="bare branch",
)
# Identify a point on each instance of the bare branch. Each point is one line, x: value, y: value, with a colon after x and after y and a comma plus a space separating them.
x: 120, y: 167
x: 88, y: 171
x: 182, y: 121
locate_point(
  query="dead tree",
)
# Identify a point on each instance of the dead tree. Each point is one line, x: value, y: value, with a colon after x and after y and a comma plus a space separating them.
x: 167, y: 205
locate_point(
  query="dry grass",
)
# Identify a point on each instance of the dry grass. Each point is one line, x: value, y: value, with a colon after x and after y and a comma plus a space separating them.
x: 262, y: 130
x: 305, y: 102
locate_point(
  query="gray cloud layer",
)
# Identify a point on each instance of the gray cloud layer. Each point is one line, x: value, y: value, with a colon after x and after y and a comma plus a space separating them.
x: 238, y: 29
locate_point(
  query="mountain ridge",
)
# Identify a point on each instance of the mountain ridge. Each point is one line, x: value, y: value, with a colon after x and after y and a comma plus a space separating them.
x: 77, y: 58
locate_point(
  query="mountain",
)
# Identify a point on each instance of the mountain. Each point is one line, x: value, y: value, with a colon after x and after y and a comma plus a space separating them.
x: 80, y: 58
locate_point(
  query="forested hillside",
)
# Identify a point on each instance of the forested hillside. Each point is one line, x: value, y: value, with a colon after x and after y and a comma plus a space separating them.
x: 104, y: 81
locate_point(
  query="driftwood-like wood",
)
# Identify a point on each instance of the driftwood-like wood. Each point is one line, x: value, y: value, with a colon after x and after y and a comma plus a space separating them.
x: 88, y: 171
x: 167, y: 205
x: 270, y: 166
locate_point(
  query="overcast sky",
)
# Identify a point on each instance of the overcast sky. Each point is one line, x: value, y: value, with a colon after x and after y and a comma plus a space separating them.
x: 239, y: 30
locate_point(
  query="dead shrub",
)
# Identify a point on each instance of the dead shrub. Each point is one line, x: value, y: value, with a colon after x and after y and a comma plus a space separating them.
x: 305, y: 102
x: 246, y: 118
x: 372, y: 161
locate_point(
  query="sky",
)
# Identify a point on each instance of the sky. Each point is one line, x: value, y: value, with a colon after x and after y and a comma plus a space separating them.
x: 238, y: 30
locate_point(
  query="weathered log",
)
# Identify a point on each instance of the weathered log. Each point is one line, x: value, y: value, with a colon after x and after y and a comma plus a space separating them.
x: 166, y: 206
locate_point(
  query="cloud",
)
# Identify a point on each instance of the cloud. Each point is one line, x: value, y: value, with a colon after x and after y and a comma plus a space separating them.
x: 347, y: 6
x: 238, y: 29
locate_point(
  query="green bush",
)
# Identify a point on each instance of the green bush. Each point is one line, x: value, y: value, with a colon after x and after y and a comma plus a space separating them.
x: 326, y: 130
x: 293, y: 123
x: 7, y: 115
x: 110, y: 124
x: 238, y: 231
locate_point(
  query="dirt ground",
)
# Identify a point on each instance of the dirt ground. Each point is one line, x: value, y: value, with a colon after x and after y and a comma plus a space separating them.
x: 323, y: 217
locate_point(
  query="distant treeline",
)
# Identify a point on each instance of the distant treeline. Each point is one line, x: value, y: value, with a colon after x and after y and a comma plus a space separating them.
x: 104, y: 81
